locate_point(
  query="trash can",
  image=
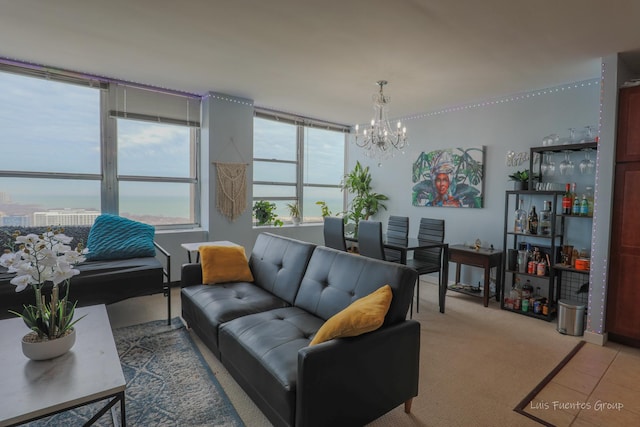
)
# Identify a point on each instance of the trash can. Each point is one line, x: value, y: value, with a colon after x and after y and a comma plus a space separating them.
x: 571, y: 317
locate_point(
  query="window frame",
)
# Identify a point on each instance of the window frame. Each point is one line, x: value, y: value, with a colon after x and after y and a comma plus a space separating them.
x: 109, y: 113
x: 301, y: 125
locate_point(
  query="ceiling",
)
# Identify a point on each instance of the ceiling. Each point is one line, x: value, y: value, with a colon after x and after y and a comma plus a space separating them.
x: 322, y: 58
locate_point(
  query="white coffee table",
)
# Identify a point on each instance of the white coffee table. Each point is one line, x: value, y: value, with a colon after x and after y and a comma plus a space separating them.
x: 193, y: 247
x: 89, y: 372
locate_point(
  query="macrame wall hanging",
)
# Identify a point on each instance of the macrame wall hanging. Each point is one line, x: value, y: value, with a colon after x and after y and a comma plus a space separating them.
x: 231, y: 189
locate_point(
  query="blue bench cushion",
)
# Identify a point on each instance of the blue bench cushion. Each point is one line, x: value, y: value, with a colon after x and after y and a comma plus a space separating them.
x: 114, y: 237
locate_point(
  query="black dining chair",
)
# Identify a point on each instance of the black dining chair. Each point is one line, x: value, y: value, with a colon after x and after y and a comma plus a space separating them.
x: 397, y: 234
x: 334, y: 233
x: 370, y: 239
x: 426, y: 261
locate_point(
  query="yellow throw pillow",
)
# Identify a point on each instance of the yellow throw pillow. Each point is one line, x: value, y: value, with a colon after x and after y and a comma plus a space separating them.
x: 363, y: 315
x: 221, y: 264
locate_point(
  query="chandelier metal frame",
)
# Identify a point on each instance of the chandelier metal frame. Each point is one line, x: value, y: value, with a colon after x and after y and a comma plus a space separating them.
x: 379, y: 139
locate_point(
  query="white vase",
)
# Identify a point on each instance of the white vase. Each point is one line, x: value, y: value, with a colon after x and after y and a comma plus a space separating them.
x: 48, y: 349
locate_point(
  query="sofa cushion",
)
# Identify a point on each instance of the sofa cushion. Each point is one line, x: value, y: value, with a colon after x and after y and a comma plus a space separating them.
x: 261, y: 351
x: 335, y: 279
x: 278, y: 264
x: 221, y: 264
x: 361, y: 316
x: 205, y: 308
x: 115, y: 237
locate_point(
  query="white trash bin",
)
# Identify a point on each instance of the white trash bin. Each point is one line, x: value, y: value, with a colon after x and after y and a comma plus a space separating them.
x: 571, y: 317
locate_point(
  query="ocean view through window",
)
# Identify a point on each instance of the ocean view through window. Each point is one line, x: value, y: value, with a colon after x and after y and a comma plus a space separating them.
x: 65, y: 159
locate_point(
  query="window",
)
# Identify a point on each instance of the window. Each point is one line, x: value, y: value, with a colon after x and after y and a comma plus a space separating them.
x: 295, y: 162
x: 73, y: 148
x: 156, y: 173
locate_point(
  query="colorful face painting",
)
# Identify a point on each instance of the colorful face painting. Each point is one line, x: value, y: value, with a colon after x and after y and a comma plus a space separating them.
x: 450, y: 178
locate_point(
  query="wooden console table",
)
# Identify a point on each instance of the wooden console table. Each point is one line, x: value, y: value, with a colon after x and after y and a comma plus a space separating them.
x: 483, y: 258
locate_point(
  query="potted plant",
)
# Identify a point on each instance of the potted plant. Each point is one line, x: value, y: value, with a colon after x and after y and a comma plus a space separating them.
x: 39, y: 261
x: 294, y: 211
x: 521, y: 179
x: 324, y: 209
x: 364, y: 202
x: 265, y: 213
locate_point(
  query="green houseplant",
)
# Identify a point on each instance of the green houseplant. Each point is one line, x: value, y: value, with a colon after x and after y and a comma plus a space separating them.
x: 324, y: 209
x: 265, y: 213
x: 521, y: 179
x: 364, y: 202
x: 294, y: 211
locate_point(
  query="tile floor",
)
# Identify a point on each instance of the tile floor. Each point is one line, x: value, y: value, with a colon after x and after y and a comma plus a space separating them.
x: 599, y: 386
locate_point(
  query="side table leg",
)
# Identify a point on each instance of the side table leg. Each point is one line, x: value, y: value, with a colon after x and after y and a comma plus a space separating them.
x: 123, y: 417
x: 487, y: 281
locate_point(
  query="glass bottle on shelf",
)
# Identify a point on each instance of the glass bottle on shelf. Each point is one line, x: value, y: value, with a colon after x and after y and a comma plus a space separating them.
x: 518, y: 295
x: 545, y: 218
x: 533, y: 221
x: 589, y: 193
x: 566, y: 200
x: 575, y: 210
x: 520, y: 225
x: 584, y: 206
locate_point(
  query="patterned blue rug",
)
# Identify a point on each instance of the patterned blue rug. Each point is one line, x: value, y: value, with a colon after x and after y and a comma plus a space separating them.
x: 168, y: 383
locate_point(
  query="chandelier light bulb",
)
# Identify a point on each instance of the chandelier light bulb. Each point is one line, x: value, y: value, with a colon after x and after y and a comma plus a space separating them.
x: 379, y: 139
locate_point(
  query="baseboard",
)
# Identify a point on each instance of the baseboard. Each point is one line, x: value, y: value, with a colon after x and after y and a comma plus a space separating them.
x: 594, y: 338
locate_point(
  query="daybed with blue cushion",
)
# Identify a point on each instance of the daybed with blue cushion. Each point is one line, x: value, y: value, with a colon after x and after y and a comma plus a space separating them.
x: 123, y: 262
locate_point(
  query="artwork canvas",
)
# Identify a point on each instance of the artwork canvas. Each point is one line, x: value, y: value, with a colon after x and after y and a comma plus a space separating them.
x: 451, y: 177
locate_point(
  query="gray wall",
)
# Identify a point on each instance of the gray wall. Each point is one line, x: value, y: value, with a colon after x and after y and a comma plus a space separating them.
x: 513, y: 123
x: 227, y: 136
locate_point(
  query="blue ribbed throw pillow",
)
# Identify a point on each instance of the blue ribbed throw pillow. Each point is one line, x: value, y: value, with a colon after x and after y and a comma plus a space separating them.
x: 115, y: 237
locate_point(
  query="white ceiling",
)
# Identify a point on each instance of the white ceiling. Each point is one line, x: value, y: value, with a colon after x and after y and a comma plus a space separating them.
x: 322, y: 58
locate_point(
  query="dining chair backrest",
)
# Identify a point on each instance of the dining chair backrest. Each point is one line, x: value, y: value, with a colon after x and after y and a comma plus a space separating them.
x: 430, y: 229
x: 370, y: 239
x: 397, y: 234
x: 334, y: 233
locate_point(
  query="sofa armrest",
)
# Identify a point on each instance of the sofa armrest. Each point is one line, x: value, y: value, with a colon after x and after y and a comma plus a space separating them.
x: 191, y: 275
x: 356, y: 380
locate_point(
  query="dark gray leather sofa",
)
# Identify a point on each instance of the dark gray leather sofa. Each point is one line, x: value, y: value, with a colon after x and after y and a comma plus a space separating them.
x: 260, y: 331
x: 99, y: 282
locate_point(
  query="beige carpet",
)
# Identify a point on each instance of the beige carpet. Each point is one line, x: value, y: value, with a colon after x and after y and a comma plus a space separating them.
x: 477, y: 363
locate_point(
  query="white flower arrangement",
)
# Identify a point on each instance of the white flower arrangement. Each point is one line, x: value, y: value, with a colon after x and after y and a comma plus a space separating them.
x: 38, y: 260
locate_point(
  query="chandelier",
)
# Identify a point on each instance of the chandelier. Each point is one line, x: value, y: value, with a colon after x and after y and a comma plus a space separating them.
x: 379, y: 139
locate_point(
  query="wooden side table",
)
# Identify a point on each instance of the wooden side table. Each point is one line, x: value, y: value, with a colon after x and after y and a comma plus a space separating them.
x: 483, y: 258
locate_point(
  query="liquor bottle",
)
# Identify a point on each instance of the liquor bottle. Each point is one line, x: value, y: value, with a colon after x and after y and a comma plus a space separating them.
x: 574, y: 196
x: 533, y: 221
x: 566, y: 200
x: 545, y: 219
x: 575, y: 210
x: 517, y: 302
x: 584, y: 206
x: 589, y: 193
x: 521, y: 219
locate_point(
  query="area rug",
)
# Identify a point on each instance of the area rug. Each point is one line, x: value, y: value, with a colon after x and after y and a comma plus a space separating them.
x: 521, y: 408
x: 168, y: 383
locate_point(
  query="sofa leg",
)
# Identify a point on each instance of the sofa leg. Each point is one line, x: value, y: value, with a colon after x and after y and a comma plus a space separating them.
x: 407, y: 406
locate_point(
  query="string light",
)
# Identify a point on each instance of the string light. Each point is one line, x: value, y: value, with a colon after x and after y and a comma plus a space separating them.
x: 512, y: 98
x: 596, y: 323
